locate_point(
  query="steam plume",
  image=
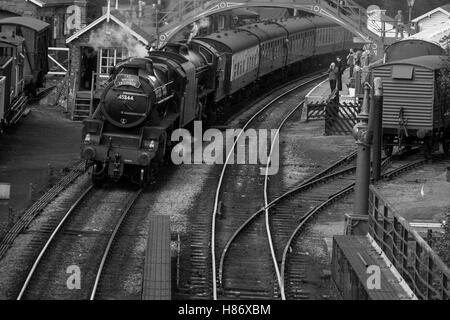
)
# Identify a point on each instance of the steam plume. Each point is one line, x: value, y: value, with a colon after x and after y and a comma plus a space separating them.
x: 202, y: 23
x: 110, y: 36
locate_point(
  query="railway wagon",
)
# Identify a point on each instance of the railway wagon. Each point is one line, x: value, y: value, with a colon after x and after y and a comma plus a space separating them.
x: 416, y: 103
x: 12, y: 97
x: 37, y: 36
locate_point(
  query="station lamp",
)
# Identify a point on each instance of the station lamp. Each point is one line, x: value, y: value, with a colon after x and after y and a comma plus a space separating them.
x: 410, y: 6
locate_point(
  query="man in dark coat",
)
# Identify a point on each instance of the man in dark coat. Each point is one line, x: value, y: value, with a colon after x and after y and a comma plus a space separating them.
x: 332, y: 76
x: 340, y: 70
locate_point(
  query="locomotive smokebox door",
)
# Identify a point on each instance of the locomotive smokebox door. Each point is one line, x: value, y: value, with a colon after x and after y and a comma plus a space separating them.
x: 126, y: 102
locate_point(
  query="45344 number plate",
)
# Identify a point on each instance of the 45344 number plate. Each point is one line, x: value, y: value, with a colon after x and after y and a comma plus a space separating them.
x: 125, y: 97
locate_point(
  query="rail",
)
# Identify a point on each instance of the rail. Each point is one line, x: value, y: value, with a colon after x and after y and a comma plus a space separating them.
x: 415, y: 260
x: 222, y: 175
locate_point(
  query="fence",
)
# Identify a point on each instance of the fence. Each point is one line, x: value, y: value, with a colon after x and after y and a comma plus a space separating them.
x: 426, y: 274
x: 58, y: 60
x: 340, y: 118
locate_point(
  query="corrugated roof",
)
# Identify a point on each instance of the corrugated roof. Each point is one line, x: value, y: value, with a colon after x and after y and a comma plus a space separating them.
x: 28, y: 22
x: 429, y: 62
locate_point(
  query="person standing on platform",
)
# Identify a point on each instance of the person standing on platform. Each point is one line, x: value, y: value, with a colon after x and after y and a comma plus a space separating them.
x: 358, y: 55
x: 399, y: 24
x: 340, y: 68
x: 351, y: 62
x: 332, y: 76
x: 365, y: 58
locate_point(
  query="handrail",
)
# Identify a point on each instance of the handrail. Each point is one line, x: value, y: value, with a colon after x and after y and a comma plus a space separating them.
x: 74, y: 88
x: 416, y: 261
x: 93, y: 88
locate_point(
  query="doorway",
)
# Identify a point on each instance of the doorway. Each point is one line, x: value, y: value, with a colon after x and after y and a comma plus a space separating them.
x: 88, y: 66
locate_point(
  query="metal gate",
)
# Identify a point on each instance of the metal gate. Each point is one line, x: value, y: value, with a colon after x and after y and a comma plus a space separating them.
x: 340, y: 118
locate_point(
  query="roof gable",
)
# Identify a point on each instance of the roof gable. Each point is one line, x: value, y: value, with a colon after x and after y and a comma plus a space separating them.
x: 444, y: 9
x: 133, y: 29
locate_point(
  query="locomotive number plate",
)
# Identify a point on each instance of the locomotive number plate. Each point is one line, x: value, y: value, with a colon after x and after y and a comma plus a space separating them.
x: 125, y: 97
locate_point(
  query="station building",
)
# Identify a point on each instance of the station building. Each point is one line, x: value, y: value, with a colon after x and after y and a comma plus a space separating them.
x: 432, y: 18
x: 96, y: 48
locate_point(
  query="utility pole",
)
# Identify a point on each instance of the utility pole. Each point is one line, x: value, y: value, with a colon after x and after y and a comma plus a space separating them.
x: 156, y: 7
x: 377, y: 114
x: 362, y: 134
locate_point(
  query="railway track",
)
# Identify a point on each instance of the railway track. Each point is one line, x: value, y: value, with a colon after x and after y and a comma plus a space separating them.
x: 231, y: 208
x: 287, y: 215
x: 31, y: 213
x: 281, y: 221
x: 81, y: 243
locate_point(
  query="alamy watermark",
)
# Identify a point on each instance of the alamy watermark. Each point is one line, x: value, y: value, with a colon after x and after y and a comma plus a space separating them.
x: 74, y: 280
x: 236, y: 146
x: 373, y: 282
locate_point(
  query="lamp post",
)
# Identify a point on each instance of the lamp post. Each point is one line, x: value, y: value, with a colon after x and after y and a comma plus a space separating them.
x: 410, y: 6
x: 156, y: 7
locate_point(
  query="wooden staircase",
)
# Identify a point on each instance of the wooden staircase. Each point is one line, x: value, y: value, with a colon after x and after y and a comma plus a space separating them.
x: 82, y: 106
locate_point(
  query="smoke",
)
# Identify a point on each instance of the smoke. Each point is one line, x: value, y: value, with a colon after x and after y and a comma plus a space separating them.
x: 109, y: 36
x: 196, y: 26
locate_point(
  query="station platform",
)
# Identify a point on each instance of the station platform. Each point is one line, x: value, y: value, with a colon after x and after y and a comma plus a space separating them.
x: 321, y: 92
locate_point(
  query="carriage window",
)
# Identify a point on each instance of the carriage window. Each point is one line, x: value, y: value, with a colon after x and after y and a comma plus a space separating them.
x: 5, y: 52
x: 402, y: 72
x: 206, y: 54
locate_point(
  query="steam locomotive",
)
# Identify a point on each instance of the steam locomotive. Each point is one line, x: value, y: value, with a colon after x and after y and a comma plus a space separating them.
x: 146, y: 99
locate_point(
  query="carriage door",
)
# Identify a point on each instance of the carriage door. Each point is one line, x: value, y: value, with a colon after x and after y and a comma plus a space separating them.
x: 2, y: 98
x: 18, y: 82
x: 221, y: 69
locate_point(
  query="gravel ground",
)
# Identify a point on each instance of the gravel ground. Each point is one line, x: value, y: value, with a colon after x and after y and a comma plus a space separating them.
x: 305, y: 150
x: 421, y: 194
x: 20, y: 256
x: 44, y: 137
